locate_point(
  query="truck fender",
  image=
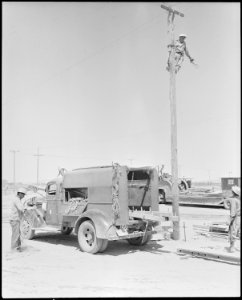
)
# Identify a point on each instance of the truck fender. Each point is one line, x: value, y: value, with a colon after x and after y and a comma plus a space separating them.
x: 103, y: 223
x: 34, y: 217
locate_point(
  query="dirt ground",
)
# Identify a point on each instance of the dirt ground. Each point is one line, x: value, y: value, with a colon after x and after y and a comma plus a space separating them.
x: 52, y: 265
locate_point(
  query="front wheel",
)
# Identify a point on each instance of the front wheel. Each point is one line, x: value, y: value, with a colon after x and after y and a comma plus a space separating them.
x: 104, y: 245
x: 26, y: 228
x: 87, y: 238
x: 66, y: 230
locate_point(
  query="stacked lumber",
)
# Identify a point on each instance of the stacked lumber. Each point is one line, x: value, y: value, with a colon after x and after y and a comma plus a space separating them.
x: 214, y: 230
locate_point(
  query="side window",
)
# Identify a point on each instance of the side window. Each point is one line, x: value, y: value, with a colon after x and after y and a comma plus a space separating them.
x: 67, y: 196
x: 76, y: 193
x: 137, y: 175
x: 51, y: 190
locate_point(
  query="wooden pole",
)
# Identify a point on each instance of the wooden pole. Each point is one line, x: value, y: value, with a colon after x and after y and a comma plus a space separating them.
x: 174, y: 164
x: 38, y: 166
x: 174, y: 168
x: 14, y: 179
x: 38, y: 155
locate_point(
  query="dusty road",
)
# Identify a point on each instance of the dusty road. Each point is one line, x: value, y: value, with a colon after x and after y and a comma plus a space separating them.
x: 52, y: 265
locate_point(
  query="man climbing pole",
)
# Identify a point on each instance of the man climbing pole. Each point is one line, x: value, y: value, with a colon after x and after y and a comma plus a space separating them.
x: 180, y: 50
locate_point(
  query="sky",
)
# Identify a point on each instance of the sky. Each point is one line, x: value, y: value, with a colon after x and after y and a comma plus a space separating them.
x: 85, y: 84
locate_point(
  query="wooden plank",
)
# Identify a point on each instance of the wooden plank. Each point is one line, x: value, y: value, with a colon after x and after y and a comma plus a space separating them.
x: 219, y: 228
x: 162, y: 214
x: 143, y: 215
x: 163, y: 224
x: 210, y: 255
x: 151, y: 216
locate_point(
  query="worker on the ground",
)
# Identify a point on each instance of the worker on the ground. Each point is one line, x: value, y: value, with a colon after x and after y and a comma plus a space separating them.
x: 234, y: 226
x: 179, y: 51
x: 16, y: 215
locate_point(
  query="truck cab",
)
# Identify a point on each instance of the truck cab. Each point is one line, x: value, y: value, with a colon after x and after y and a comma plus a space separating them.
x: 102, y: 204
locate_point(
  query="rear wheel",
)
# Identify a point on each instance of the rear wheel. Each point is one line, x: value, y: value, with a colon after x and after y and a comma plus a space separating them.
x: 87, y: 238
x: 66, y: 230
x: 140, y: 241
x: 104, y: 245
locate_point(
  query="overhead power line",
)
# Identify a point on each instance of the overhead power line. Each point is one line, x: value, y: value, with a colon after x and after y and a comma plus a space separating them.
x: 14, y: 152
x: 94, y: 53
x: 38, y: 155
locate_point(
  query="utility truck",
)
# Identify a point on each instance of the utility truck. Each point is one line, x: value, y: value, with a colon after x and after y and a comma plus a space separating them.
x: 101, y: 204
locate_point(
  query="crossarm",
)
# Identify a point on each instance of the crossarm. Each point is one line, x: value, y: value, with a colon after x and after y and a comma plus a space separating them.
x: 172, y: 10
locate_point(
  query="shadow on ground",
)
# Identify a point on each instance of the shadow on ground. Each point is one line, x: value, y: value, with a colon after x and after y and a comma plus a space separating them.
x: 123, y: 247
x: 114, y: 247
x: 56, y: 238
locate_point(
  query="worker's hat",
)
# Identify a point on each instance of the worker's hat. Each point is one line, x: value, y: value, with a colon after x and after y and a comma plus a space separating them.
x: 236, y: 190
x: 22, y: 190
x: 182, y: 34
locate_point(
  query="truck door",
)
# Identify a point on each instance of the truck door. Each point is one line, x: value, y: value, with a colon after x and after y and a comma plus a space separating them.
x: 52, y: 203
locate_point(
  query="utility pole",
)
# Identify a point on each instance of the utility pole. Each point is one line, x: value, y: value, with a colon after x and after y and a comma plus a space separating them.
x: 14, y: 152
x: 180, y: 171
x: 174, y: 167
x: 38, y: 155
x: 209, y: 177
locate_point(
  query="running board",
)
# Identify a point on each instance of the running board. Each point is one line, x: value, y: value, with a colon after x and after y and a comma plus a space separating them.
x: 48, y: 228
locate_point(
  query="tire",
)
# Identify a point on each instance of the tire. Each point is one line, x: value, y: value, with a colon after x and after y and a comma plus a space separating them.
x: 87, y: 238
x: 226, y: 204
x: 27, y: 232
x: 66, y: 230
x: 138, y: 241
x: 104, y: 245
